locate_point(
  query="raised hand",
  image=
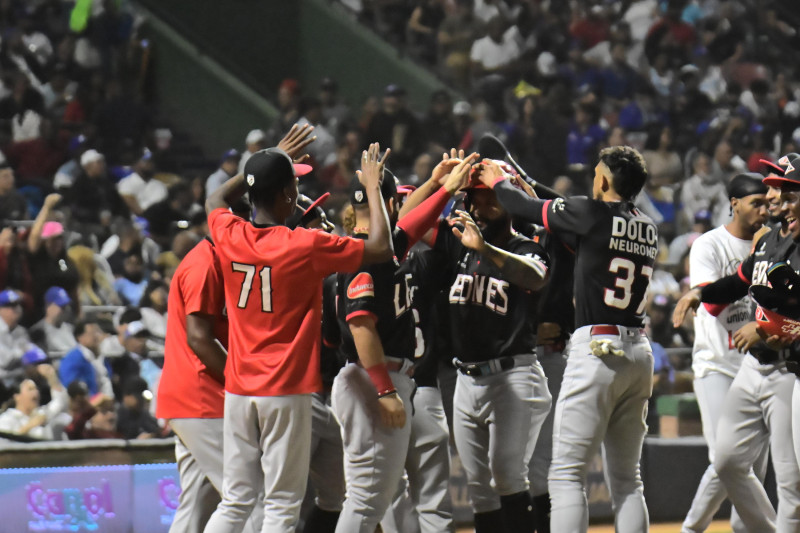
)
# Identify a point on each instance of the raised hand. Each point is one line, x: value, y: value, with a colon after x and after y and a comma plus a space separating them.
x: 471, y: 236
x: 51, y: 200
x: 459, y: 175
x: 294, y: 142
x: 448, y: 162
x: 689, y: 301
x: 372, y: 165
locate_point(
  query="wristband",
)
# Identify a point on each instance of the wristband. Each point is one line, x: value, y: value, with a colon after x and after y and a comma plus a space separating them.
x: 379, y: 376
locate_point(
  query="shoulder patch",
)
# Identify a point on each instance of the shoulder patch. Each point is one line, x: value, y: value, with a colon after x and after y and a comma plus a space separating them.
x: 362, y: 286
x: 557, y: 205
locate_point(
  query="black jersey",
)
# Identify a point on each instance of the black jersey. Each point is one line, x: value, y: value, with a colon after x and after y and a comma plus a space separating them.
x: 330, y: 363
x: 489, y: 317
x: 556, y: 300
x: 428, y: 277
x: 770, y: 249
x: 382, y: 291
x: 615, y: 246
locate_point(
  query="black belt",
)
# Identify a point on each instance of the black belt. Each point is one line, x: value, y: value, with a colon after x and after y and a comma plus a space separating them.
x: 485, y: 368
x: 767, y: 357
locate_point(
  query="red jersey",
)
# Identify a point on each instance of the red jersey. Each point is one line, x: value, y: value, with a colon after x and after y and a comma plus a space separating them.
x: 273, y: 291
x: 186, y: 389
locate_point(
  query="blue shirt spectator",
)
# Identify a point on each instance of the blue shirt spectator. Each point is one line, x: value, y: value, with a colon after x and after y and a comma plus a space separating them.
x: 83, y: 363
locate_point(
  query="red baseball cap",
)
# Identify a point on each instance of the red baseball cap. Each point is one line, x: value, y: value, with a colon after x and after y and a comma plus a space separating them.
x: 789, y: 178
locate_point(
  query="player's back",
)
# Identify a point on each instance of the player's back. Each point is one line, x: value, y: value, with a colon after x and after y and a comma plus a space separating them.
x: 273, y: 294
x: 615, y: 258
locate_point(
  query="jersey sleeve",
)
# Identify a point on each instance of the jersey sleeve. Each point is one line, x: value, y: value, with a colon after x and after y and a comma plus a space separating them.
x: 533, y: 251
x: 446, y: 243
x: 569, y: 215
x: 220, y: 224
x: 745, y: 270
x: 358, y: 292
x: 202, y: 288
x: 331, y: 253
x: 331, y: 334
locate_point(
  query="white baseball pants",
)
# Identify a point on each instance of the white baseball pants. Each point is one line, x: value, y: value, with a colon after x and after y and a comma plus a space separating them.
x: 275, y: 433
x: 327, y: 456
x: 602, y: 403
x: 500, y: 414
x: 758, y: 411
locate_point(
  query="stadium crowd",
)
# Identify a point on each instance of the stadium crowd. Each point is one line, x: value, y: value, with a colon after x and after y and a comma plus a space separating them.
x: 96, y: 214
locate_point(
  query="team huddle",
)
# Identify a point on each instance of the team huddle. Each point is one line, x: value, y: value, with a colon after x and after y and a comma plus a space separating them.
x: 297, y: 356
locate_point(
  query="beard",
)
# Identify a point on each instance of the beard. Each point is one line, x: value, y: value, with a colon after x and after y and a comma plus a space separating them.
x: 494, y: 228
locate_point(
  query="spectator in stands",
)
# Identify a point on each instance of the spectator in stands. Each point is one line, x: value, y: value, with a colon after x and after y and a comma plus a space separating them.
x: 58, y: 91
x: 134, y: 419
x: 12, y: 204
x: 94, y: 285
x: 54, y: 333
x: 98, y: 420
x: 289, y: 94
x: 322, y: 150
x: 705, y: 192
x: 120, y: 120
x: 31, y: 360
x: 112, y: 346
x: 494, y: 64
x: 27, y: 418
x: 139, y: 190
x: 131, y: 364
x: 671, y: 35
x: 539, y: 139
x: 127, y: 236
x: 84, y: 362
x: 439, y: 125
x: 726, y: 163
x: 228, y: 166
x: 49, y: 259
x: 456, y: 34
x: 585, y: 135
x: 164, y: 216
x: 256, y: 140
x: 396, y: 127
x: 93, y: 197
x: 154, y: 307
x: 664, y: 165
x: 15, y: 270
x: 335, y: 113
x: 423, y: 27
x: 68, y: 172
x: 619, y: 80
x: 131, y: 285
x: 14, y: 340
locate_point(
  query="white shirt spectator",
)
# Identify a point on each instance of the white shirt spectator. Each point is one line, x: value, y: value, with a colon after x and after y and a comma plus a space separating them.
x: 493, y: 55
x: 13, y: 343
x: 26, y: 126
x: 146, y: 193
x: 13, y: 420
x: 57, y: 340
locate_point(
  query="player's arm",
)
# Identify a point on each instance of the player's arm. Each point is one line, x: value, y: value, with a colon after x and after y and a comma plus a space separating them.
x: 201, y: 339
x: 226, y: 194
x: 417, y: 221
x: 525, y: 272
x: 723, y: 291
x: 378, y: 246
x: 370, y: 353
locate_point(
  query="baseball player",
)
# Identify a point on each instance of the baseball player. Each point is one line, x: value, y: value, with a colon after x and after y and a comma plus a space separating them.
x: 378, y: 340
x: 191, y: 393
x: 273, y: 294
x: 326, y: 470
x: 556, y: 324
x: 501, y: 396
x: 757, y: 406
x: 715, y: 360
x: 609, y: 373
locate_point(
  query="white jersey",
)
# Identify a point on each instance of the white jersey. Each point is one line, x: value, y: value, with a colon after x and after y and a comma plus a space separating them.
x: 714, y: 255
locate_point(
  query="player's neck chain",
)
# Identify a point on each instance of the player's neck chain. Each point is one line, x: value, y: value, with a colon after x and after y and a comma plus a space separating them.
x: 362, y: 229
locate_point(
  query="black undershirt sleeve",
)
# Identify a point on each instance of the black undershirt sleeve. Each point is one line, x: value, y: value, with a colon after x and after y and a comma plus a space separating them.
x: 724, y: 291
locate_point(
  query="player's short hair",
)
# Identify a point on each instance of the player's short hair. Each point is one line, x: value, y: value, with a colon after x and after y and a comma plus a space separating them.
x: 628, y: 168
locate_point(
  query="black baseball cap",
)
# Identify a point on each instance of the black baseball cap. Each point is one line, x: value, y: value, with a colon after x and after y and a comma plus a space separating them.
x: 271, y: 166
x: 790, y: 178
x: 746, y: 184
x: 779, y: 166
x: 307, y: 210
x: 358, y: 194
